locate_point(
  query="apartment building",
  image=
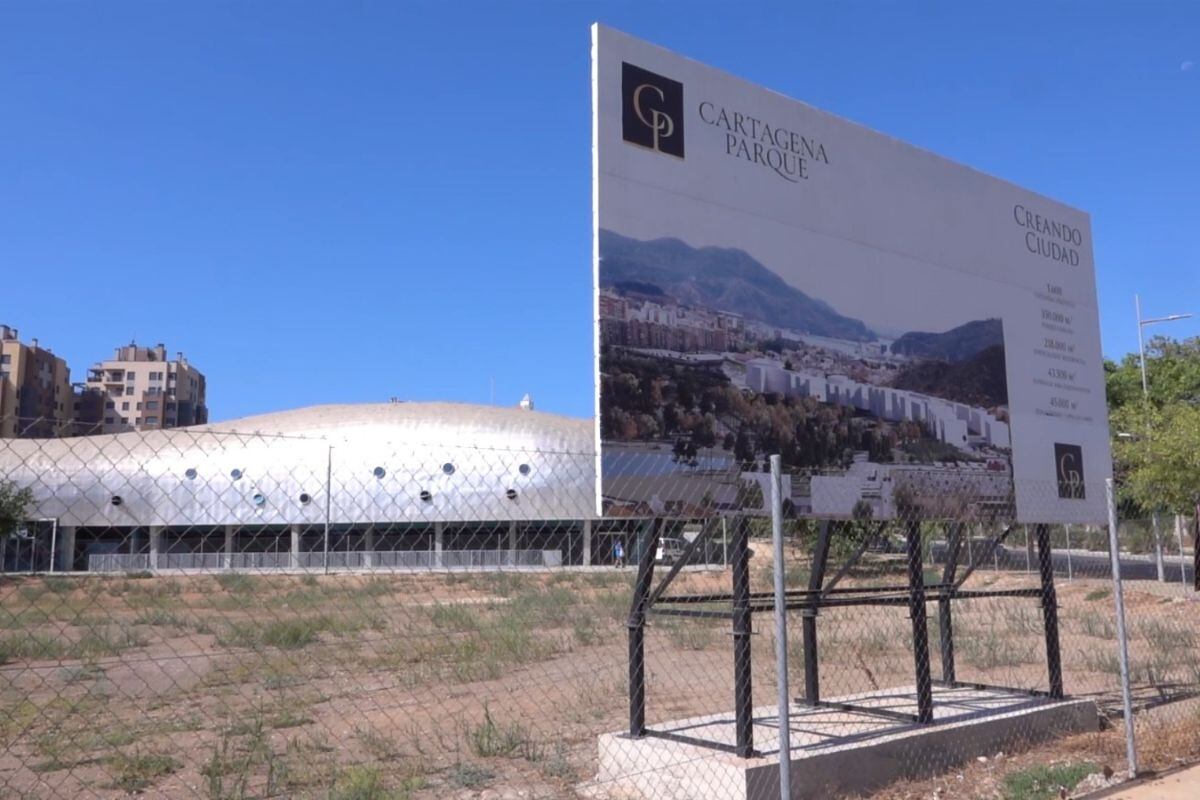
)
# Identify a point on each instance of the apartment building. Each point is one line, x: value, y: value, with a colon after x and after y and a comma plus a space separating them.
x: 139, y: 389
x: 35, y: 389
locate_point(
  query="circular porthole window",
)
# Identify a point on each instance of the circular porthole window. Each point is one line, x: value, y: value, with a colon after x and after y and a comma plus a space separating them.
x: 524, y: 469
x: 190, y: 474
x: 258, y: 498
x: 511, y: 494
x: 379, y: 472
x: 305, y: 498
x: 236, y: 474
x: 116, y: 500
x: 448, y: 468
x: 426, y: 495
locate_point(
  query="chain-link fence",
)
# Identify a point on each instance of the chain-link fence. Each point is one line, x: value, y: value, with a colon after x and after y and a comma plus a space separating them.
x: 193, y: 613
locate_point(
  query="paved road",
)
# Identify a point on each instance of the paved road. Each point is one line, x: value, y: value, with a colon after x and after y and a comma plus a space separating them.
x: 1080, y: 563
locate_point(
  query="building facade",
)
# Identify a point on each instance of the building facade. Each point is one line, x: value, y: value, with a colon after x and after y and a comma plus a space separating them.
x: 139, y: 389
x: 35, y: 389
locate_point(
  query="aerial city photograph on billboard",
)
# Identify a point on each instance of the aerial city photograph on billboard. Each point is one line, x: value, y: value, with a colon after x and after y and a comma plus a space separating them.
x: 904, y: 331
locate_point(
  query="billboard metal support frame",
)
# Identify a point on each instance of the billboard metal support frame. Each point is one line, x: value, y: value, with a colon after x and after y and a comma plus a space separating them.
x: 740, y: 604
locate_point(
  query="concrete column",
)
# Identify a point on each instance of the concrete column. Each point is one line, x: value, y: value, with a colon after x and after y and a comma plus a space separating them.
x: 156, y: 532
x: 512, y: 543
x: 66, y: 548
x: 587, y: 542
x: 295, y: 559
x: 438, y: 534
x: 230, y: 536
x: 369, y: 547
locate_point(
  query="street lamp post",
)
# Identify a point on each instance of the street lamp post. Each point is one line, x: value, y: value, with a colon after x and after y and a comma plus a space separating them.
x: 1137, y: 302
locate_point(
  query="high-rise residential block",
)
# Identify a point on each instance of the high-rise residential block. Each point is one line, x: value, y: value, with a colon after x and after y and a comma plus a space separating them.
x: 35, y: 389
x: 139, y: 389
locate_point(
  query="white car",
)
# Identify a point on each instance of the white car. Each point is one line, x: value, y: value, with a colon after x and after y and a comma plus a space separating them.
x: 669, y: 550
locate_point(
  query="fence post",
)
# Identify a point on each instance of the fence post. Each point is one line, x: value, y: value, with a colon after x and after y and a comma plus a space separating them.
x: 328, y: 503
x: 781, y: 637
x: 587, y: 543
x: 1196, y: 549
x: 1158, y: 550
x: 156, y: 532
x: 1114, y: 553
x: 1182, y: 562
x: 1070, y: 571
x: 1028, y: 550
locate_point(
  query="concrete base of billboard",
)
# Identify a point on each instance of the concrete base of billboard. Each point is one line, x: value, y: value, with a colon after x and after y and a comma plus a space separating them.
x: 832, y: 752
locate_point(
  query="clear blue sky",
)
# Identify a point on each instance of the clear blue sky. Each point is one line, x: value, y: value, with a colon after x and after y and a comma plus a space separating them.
x: 346, y: 201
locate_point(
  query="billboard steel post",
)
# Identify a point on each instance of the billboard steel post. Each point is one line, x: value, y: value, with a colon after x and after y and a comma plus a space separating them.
x: 920, y: 624
x: 743, y: 697
x: 808, y: 618
x: 1049, y: 610
x: 1114, y: 554
x: 945, y: 616
x: 781, y: 637
x: 636, y: 626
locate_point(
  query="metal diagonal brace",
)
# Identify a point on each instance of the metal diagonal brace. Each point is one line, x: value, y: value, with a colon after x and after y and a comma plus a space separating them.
x: 853, y: 560
x: 705, y: 532
x: 984, y: 555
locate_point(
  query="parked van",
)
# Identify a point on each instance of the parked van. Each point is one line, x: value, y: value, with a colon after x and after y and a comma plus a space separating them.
x: 669, y: 550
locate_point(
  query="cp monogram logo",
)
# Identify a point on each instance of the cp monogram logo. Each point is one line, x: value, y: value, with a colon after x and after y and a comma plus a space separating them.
x: 659, y: 122
x: 1069, y: 458
x: 651, y: 110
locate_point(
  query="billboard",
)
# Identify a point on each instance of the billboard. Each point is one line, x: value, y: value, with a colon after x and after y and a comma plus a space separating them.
x: 769, y: 278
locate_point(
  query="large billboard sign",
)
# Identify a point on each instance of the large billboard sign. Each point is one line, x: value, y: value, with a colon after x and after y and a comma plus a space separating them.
x: 905, y: 331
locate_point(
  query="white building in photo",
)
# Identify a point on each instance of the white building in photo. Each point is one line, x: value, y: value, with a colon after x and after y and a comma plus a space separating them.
x: 965, y: 427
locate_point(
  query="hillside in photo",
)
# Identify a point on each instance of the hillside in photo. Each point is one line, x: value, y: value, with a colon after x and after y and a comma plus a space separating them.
x: 957, y: 344
x: 720, y: 279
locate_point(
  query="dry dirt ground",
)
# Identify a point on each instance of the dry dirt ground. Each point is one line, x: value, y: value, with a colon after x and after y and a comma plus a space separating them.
x: 495, y: 685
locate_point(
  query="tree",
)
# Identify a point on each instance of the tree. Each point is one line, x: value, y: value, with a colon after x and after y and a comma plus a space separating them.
x: 1159, y: 463
x: 14, y: 501
x: 1157, y: 437
x: 1172, y: 373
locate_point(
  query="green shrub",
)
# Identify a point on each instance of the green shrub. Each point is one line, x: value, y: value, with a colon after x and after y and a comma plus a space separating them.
x: 1044, y: 782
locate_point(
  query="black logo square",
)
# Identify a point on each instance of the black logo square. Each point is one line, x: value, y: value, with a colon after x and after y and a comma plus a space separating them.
x: 1068, y: 466
x: 651, y: 110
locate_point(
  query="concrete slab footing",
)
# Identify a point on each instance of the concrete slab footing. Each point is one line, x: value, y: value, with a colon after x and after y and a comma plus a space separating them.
x: 834, y: 752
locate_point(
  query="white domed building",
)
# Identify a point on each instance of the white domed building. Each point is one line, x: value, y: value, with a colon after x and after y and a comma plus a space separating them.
x: 338, y: 486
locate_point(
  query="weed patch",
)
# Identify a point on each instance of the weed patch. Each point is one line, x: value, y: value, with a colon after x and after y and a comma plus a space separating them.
x: 1045, y: 782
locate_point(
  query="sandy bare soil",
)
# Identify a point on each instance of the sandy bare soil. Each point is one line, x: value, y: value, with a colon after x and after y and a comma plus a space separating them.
x: 489, y: 685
